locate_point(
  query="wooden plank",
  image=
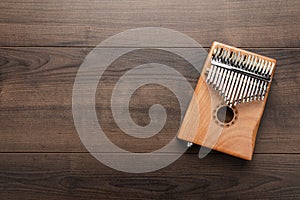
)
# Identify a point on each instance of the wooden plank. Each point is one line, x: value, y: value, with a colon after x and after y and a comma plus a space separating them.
x: 36, y: 93
x: 80, y: 176
x: 258, y: 23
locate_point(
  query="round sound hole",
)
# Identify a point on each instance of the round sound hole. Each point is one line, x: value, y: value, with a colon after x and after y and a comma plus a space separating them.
x: 225, y: 114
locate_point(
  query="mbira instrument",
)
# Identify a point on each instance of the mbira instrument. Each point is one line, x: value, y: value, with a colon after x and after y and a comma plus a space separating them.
x: 229, y: 100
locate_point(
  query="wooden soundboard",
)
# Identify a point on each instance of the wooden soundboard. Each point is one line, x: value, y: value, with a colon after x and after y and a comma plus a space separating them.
x: 210, y: 122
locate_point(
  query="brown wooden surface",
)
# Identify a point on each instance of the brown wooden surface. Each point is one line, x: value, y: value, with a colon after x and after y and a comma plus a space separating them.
x: 43, y: 44
x: 257, y: 23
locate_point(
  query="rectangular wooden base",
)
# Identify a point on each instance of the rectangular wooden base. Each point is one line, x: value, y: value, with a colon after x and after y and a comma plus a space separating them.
x: 204, y: 122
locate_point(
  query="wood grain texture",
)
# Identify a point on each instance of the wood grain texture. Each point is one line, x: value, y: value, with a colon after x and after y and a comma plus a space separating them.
x: 43, y: 43
x: 259, y: 23
x: 80, y: 176
x: 37, y: 90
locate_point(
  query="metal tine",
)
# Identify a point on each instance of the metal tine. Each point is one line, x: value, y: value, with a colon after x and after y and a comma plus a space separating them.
x: 220, y: 78
x: 220, y: 81
x: 213, y: 75
x: 230, y: 57
x: 247, y: 84
x: 228, y: 85
x: 266, y: 83
x: 215, y: 54
x: 237, y: 59
x: 251, y: 62
x: 216, y: 76
x: 240, y: 90
x: 264, y: 67
x: 248, y: 80
x: 243, y: 82
x: 254, y: 64
x: 252, y: 83
x: 256, y: 81
x: 261, y: 66
x: 261, y: 82
x: 221, y: 70
x: 270, y: 71
x: 226, y: 55
x: 264, y: 91
x: 261, y: 89
x: 234, y: 83
x: 243, y: 57
x: 226, y: 79
x: 257, y: 66
x: 235, y: 89
x: 249, y: 90
x: 218, y: 72
x: 268, y: 68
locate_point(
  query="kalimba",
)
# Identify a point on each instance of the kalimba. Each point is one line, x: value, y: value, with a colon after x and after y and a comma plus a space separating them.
x: 230, y: 97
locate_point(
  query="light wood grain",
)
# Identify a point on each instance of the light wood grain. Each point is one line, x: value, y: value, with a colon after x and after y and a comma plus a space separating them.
x: 201, y: 125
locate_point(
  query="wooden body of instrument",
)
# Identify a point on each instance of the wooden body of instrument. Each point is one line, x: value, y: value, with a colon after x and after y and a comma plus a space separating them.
x: 231, y: 126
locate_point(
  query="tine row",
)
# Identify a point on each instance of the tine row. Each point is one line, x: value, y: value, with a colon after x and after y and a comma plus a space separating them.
x: 239, y: 77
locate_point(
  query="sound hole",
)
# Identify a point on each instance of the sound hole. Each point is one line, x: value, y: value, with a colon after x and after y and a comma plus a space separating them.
x: 225, y: 114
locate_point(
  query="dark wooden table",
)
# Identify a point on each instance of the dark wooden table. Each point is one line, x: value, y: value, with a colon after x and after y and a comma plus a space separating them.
x: 43, y: 44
